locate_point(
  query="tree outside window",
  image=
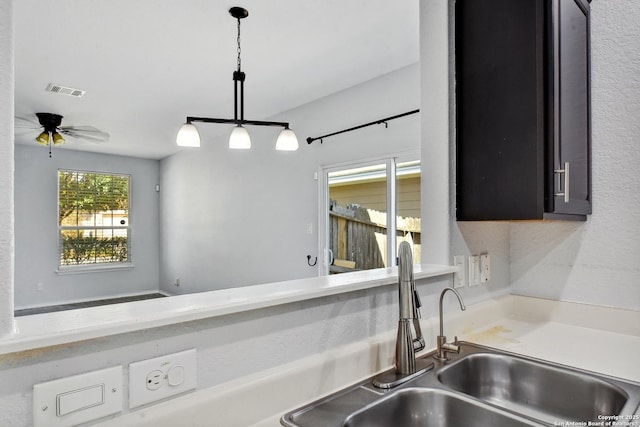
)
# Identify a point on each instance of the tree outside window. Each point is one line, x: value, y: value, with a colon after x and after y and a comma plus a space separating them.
x: 93, y: 217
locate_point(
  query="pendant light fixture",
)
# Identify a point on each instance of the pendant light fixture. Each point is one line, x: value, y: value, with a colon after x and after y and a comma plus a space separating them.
x: 188, y: 135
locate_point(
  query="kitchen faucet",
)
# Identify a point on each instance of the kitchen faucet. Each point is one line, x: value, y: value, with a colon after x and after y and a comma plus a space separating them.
x: 406, y: 366
x: 442, y: 346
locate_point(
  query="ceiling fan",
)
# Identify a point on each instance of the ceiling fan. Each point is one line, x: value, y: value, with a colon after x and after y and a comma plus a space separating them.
x: 52, y: 131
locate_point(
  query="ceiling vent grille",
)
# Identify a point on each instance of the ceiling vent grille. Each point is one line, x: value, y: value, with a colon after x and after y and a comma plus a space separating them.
x: 65, y: 90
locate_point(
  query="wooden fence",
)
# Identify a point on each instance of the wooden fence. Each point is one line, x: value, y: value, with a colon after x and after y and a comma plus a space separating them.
x: 358, y: 237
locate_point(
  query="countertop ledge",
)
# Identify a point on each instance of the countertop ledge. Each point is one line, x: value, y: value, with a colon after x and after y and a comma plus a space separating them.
x: 44, y: 330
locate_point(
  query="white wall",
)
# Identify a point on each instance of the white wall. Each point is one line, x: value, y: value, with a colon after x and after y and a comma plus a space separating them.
x: 36, y: 248
x: 6, y: 166
x: 597, y: 262
x: 232, y: 218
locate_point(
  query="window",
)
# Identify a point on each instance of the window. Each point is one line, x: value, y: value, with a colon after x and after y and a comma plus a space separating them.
x: 370, y: 208
x: 93, y: 218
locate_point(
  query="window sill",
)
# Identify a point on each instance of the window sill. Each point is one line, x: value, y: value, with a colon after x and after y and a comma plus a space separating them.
x: 94, y: 268
x: 43, y: 330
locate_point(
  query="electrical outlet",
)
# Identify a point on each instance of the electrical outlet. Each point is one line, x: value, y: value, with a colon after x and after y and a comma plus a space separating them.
x: 155, y: 380
x: 460, y: 276
x: 474, y: 270
x: 161, y: 377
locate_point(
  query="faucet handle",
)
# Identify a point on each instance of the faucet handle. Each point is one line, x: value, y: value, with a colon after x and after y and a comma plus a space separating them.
x: 416, y: 305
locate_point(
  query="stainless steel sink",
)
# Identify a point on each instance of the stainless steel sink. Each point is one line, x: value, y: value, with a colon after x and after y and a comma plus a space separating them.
x: 539, y: 390
x: 426, y: 407
x: 479, y: 387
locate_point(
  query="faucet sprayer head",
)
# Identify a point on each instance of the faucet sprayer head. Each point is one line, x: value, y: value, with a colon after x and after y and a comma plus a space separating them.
x: 405, y: 262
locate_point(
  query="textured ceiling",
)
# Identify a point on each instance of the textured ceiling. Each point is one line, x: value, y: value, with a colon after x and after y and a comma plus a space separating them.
x: 147, y: 64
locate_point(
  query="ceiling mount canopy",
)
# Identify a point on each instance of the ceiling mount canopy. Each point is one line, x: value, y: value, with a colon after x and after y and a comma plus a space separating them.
x: 188, y: 135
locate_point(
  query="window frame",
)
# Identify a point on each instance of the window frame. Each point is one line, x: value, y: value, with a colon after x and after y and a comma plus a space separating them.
x: 323, y: 201
x: 102, y: 266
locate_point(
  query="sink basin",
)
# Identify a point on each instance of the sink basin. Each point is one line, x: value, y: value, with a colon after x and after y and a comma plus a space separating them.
x: 538, y: 390
x: 423, y: 407
x: 481, y: 386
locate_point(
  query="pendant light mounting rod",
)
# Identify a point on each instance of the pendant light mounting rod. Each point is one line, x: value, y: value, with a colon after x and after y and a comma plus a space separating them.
x: 238, y: 122
x: 238, y: 89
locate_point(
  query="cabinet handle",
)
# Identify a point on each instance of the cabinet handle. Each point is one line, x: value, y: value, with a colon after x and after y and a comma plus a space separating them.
x: 565, y: 172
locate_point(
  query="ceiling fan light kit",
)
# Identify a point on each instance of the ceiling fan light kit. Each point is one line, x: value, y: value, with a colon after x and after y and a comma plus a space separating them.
x: 50, y: 123
x: 188, y: 135
x: 51, y: 131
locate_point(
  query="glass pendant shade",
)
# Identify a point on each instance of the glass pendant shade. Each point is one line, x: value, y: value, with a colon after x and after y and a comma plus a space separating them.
x: 43, y: 138
x: 287, y: 140
x: 188, y: 136
x: 239, y: 138
x: 57, y: 139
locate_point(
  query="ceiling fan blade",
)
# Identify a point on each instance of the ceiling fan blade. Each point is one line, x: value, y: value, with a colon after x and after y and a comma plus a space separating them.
x: 88, y: 133
x: 22, y: 123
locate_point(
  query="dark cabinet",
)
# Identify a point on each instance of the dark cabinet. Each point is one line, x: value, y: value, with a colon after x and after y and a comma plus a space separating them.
x: 523, y: 128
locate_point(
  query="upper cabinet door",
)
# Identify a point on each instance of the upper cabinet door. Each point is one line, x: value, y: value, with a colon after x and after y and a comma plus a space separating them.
x: 523, y: 123
x: 571, y: 119
x: 499, y: 109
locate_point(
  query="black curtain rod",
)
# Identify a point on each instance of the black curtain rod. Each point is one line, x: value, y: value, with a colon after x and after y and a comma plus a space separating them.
x: 377, y: 122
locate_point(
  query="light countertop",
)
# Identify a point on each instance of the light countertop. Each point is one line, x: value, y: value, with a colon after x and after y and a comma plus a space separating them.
x: 49, y: 329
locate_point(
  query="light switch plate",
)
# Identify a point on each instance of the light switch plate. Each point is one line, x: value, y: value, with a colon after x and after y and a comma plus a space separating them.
x: 78, y: 399
x: 460, y: 276
x: 474, y: 270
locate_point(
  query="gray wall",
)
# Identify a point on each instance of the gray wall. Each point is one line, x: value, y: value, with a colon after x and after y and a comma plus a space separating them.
x: 36, y: 235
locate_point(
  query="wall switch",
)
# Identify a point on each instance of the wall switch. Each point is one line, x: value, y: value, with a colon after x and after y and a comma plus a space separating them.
x: 474, y: 270
x: 460, y: 276
x: 161, y: 377
x: 485, y: 268
x: 78, y: 399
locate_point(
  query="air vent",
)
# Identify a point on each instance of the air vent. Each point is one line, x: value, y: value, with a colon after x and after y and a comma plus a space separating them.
x: 65, y: 90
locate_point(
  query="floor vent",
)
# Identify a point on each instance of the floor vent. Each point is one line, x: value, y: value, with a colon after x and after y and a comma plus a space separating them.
x: 65, y: 90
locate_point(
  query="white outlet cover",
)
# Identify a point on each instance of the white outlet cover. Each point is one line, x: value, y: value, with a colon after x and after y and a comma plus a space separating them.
x: 485, y: 268
x: 185, y: 364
